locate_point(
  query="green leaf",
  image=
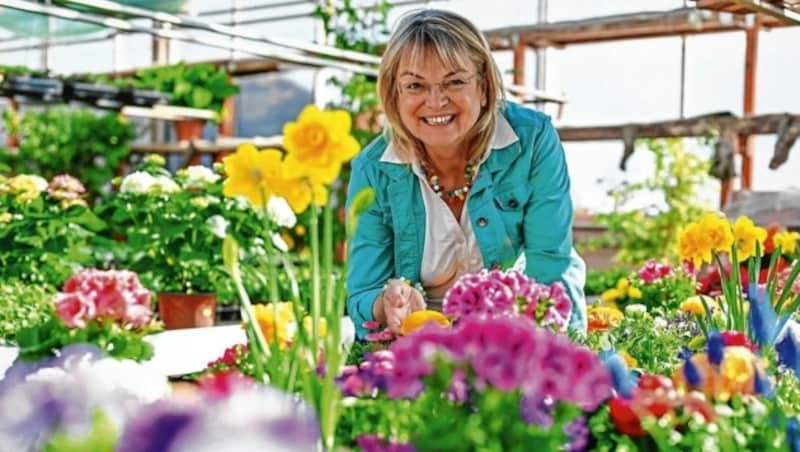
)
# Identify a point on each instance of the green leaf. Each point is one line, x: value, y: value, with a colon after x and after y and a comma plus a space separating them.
x: 201, y: 97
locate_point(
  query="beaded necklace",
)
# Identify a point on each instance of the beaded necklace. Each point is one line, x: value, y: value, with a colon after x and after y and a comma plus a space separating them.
x: 455, y: 195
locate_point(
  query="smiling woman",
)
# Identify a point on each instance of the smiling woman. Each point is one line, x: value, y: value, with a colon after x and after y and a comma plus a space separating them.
x: 463, y: 180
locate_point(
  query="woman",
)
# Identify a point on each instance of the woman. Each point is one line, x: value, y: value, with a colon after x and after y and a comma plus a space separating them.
x: 462, y: 180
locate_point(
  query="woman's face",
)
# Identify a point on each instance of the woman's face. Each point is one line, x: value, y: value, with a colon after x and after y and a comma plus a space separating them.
x: 439, y: 104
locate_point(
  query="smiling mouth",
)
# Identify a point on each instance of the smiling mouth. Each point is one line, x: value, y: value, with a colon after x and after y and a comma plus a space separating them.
x: 442, y: 120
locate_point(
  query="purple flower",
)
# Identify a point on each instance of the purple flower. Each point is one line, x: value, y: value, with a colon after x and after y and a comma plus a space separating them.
x: 578, y: 432
x: 375, y: 443
x: 537, y: 410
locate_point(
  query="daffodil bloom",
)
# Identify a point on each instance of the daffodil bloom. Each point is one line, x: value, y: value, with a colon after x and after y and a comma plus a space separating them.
x: 610, y: 295
x: 699, y: 240
x: 747, y: 235
x: 418, y: 319
x: 318, y: 143
x: 786, y: 241
x: 634, y: 292
x: 277, y: 322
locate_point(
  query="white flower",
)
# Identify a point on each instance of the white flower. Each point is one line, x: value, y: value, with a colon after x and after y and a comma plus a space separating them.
x: 218, y: 225
x: 635, y: 309
x: 198, y: 176
x: 280, y: 212
x: 164, y: 184
x: 138, y: 183
x: 660, y: 322
x: 279, y: 243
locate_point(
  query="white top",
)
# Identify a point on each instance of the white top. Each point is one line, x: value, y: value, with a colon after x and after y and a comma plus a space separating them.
x: 450, y: 248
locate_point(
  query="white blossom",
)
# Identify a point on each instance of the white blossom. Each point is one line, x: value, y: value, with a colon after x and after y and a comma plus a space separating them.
x: 138, y: 182
x: 198, y: 176
x: 280, y: 212
x: 218, y: 225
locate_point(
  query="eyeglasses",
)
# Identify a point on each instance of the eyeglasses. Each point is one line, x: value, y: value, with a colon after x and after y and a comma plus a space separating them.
x: 449, y: 86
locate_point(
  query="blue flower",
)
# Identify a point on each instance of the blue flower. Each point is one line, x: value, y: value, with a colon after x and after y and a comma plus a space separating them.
x: 789, y: 351
x: 762, y: 318
x: 715, y: 348
x: 623, y: 379
x: 691, y: 373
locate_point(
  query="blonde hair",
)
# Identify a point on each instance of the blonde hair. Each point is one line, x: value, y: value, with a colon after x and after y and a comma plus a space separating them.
x: 451, y: 38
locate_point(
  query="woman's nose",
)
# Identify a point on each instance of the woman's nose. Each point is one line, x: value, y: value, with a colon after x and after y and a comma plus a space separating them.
x: 436, y: 96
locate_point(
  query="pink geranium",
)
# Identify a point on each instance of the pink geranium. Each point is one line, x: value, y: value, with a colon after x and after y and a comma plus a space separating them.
x: 497, y: 293
x: 115, y: 295
x: 653, y: 271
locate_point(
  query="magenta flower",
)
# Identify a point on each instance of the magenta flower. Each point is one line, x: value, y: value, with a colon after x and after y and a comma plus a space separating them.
x: 653, y: 271
x: 115, y: 295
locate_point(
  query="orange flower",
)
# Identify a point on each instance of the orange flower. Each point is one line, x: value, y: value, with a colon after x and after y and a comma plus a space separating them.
x: 735, y: 375
x: 602, y: 318
x: 418, y: 319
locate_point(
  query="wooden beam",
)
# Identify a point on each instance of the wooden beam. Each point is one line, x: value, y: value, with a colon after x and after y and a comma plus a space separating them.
x: 745, y: 143
x: 682, y: 21
x: 689, y: 127
x: 787, y: 11
x: 519, y: 63
x: 233, y: 67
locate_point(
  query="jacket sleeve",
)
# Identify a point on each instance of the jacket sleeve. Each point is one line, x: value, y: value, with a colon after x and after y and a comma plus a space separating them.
x: 370, y: 252
x: 549, y: 254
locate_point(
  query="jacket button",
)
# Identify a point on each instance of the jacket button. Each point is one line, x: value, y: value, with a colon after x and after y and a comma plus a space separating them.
x: 495, y: 265
x: 513, y: 203
x: 482, y: 221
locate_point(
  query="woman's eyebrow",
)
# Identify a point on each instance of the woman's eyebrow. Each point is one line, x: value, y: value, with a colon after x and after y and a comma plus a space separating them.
x: 413, y: 74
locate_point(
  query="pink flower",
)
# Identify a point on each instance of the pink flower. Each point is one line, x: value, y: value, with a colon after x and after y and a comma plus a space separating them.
x: 653, y: 271
x: 74, y: 310
x: 115, y: 295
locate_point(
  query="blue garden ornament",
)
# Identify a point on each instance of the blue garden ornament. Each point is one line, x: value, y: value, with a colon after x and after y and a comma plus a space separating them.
x: 691, y: 373
x: 624, y: 380
x: 789, y: 352
x: 715, y: 348
x: 762, y: 318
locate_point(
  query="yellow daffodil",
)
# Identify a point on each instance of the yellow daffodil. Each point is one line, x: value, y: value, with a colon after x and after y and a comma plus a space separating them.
x: 322, y: 326
x: 699, y: 240
x: 318, y: 143
x: 418, y: 319
x: 747, y: 235
x: 634, y: 293
x: 277, y: 322
x: 629, y: 360
x: 253, y: 174
x: 610, y: 295
x: 602, y: 318
x: 786, y: 241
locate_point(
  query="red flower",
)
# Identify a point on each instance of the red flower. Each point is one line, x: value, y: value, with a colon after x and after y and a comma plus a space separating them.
x: 730, y: 338
x: 625, y: 420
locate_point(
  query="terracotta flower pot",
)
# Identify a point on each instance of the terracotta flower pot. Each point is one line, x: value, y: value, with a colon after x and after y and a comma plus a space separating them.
x: 189, y: 129
x: 180, y: 310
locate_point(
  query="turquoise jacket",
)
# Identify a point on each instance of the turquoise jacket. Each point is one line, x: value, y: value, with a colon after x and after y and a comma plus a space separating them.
x: 519, y: 205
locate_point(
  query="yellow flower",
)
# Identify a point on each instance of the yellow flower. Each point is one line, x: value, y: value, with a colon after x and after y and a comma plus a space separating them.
x: 322, y: 326
x: 622, y: 285
x: 747, y: 235
x: 699, y: 240
x: 629, y: 360
x: 27, y: 187
x: 277, y: 322
x: 318, y: 143
x: 693, y: 305
x: 602, y: 318
x: 634, y: 292
x: 288, y: 239
x: 300, y: 230
x: 610, y: 295
x: 717, y: 231
x: 418, y: 319
x: 251, y: 172
x: 787, y: 241
x: 5, y: 217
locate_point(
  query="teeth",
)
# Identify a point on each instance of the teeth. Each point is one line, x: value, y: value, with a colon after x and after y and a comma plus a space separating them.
x: 436, y: 120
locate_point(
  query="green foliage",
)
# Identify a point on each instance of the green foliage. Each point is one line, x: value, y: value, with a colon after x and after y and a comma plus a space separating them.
x: 196, y: 86
x: 21, y: 70
x: 22, y: 305
x: 44, y: 339
x: 598, y: 281
x: 43, y: 243
x: 666, y: 294
x: 678, y: 179
x: 67, y: 141
x: 654, y: 342
x: 101, y: 438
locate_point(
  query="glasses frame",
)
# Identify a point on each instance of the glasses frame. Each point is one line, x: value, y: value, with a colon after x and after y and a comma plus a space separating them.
x: 440, y: 84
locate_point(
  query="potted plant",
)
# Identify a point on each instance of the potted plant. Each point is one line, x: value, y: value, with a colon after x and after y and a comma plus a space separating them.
x: 197, y: 86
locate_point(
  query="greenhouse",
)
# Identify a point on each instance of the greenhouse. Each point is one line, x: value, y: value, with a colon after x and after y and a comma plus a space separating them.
x: 399, y: 225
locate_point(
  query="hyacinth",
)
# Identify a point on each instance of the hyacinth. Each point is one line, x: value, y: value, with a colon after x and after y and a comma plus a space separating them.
x: 507, y: 353
x: 243, y: 416
x: 653, y: 271
x: 64, y: 393
x: 498, y: 293
x: 115, y: 295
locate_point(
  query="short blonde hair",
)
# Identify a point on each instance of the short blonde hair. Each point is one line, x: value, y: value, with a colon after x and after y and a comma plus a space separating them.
x: 451, y: 38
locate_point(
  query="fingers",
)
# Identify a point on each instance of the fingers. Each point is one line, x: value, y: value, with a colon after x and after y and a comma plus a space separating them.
x: 417, y: 302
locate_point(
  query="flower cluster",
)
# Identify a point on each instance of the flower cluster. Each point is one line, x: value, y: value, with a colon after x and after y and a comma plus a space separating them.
x: 24, y: 187
x: 623, y: 292
x: 603, y: 318
x: 507, y: 353
x: 369, y: 377
x: 197, y: 177
x: 66, y: 393
x: 113, y: 295
x: 699, y: 241
x: 375, y: 443
x: 229, y: 407
x: 653, y: 271
x: 498, y: 293
x: 144, y: 183
x: 68, y: 190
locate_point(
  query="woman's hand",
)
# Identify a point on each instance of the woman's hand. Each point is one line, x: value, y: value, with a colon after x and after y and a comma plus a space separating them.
x: 397, y: 301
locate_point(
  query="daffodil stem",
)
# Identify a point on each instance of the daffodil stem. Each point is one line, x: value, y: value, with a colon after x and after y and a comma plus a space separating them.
x: 272, y: 266
x: 327, y: 257
x: 315, y: 280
